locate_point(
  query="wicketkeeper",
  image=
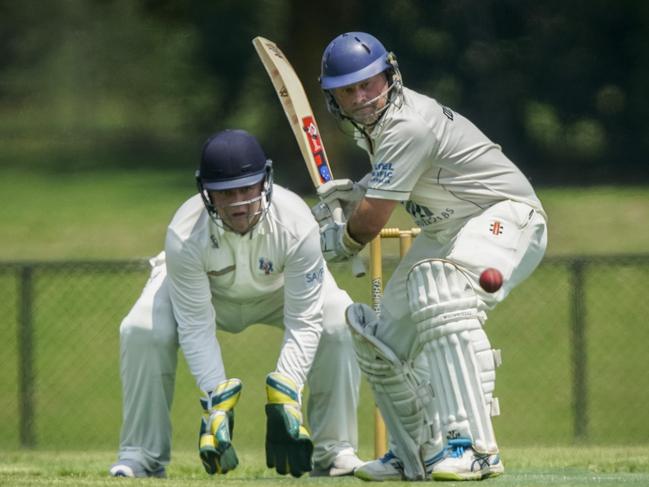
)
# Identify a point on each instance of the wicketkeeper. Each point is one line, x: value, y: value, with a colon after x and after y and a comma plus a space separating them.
x: 427, y: 357
x: 242, y: 251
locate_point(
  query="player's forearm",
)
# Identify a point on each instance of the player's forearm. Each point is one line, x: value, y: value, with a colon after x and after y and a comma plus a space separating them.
x: 304, y: 274
x: 191, y: 300
x: 298, y: 353
x: 369, y: 218
x: 204, y: 360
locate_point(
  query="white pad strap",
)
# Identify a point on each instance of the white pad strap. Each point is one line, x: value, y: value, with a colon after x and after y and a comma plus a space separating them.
x: 399, y: 394
x: 444, y: 308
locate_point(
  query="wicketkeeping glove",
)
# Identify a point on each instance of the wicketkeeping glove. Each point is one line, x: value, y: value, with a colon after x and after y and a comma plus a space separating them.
x: 288, y: 443
x: 217, y: 426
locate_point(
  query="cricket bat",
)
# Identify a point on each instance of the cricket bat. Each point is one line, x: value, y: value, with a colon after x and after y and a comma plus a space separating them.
x: 300, y: 116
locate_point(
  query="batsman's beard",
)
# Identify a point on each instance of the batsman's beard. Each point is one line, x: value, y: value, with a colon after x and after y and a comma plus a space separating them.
x: 365, y: 117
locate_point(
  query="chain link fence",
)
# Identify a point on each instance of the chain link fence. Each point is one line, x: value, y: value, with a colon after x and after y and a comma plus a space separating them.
x: 573, y: 339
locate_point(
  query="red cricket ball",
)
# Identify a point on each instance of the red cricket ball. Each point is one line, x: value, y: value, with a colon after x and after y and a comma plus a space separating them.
x: 491, y: 279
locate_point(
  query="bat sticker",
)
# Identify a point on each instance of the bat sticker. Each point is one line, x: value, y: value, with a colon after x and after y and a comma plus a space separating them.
x: 317, y: 150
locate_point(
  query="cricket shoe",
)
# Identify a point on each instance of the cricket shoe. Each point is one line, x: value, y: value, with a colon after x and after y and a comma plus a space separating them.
x: 461, y: 462
x: 344, y: 464
x: 388, y: 467
x: 130, y: 468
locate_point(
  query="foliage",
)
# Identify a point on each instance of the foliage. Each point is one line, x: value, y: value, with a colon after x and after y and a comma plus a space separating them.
x: 141, y: 84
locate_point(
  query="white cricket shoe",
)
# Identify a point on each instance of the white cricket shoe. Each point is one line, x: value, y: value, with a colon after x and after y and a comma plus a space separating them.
x: 344, y: 464
x: 132, y: 469
x: 388, y: 467
x: 461, y: 462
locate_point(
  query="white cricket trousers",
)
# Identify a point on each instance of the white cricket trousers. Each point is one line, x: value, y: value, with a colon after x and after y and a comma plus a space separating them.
x: 477, y: 245
x: 148, y: 356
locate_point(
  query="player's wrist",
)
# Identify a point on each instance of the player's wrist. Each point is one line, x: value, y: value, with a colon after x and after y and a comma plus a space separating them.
x: 350, y: 243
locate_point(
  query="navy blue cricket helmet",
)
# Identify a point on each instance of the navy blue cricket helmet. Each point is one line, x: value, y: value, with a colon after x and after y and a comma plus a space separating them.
x: 232, y: 159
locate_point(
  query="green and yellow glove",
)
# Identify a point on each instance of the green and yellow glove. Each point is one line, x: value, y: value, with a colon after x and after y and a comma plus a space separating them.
x: 217, y: 427
x: 288, y: 443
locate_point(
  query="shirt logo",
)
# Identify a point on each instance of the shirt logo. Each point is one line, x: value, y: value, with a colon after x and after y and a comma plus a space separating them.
x: 265, y: 265
x: 496, y: 227
x: 315, y: 276
x: 423, y: 216
x: 382, y: 173
x: 317, y: 150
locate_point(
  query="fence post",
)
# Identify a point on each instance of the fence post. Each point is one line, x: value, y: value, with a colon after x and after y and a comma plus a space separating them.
x: 25, y: 358
x: 579, y: 353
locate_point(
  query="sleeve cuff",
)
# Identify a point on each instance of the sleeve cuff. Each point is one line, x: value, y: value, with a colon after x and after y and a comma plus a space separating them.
x: 350, y: 242
x: 387, y: 194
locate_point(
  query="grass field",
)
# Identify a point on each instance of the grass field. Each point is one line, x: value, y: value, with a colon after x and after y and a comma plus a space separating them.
x: 115, y: 215
x: 549, y: 467
x: 123, y: 215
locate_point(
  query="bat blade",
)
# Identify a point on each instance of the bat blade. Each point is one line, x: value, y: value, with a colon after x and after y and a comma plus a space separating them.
x: 297, y: 108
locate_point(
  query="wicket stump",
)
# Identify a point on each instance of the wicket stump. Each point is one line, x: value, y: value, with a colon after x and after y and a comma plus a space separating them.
x: 376, y: 276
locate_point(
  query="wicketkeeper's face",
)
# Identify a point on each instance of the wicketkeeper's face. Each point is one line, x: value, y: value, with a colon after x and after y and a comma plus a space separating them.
x: 239, y: 208
x: 363, y: 101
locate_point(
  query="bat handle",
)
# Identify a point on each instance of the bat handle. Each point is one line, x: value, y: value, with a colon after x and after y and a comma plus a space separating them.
x: 358, y: 267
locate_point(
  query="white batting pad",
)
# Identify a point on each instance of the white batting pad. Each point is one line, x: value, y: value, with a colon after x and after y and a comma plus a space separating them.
x: 404, y: 400
x: 444, y: 308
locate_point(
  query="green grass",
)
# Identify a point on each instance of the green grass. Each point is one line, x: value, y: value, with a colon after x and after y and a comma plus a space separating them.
x: 122, y: 214
x: 111, y: 215
x: 600, y: 220
x: 565, y: 467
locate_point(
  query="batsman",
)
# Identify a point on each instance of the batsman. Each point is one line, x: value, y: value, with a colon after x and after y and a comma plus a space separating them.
x: 426, y: 356
x: 241, y: 251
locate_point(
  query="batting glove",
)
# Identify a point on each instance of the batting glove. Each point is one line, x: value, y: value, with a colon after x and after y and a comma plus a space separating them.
x: 217, y: 426
x: 337, y: 244
x: 288, y: 443
x: 343, y: 192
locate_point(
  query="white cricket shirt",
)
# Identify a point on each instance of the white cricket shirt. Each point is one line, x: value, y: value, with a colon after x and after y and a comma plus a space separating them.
x: 208, y: 265
x: 439, y: 165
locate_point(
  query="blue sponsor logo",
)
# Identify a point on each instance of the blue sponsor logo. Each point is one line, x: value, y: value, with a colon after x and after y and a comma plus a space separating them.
x: 382, y: 173
x: 315, y: 276
x: 424, y: 216
x: 324, y: 173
